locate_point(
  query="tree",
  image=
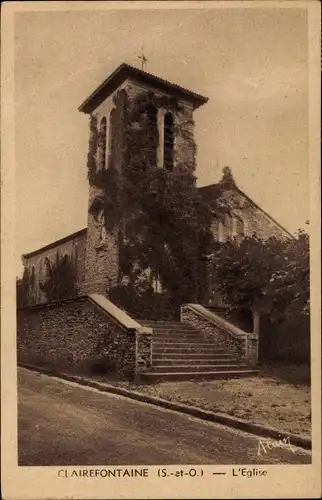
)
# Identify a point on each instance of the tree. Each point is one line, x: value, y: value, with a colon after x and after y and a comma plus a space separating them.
x: 25, y: 288
x: 60, y: 282
x: 269, y: 276
x: 167, y: 231
x: 289, y: 287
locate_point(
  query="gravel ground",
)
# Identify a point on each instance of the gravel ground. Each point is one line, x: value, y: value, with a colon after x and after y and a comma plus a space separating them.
x: 265, y: 399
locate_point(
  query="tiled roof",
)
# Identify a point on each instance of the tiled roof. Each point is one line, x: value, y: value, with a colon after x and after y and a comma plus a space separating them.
x: 125, y: 71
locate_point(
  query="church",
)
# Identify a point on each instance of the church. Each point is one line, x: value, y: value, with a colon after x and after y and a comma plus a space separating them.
x: 95, y: 250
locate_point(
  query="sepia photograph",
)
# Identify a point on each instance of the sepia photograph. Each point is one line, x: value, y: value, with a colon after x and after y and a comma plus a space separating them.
x: 163, y: 244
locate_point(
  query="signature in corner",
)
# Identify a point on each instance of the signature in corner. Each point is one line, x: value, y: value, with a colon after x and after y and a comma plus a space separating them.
x: 264, y: 445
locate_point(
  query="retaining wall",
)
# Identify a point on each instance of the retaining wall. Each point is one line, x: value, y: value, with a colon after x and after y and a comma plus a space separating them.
x: 88, y: 333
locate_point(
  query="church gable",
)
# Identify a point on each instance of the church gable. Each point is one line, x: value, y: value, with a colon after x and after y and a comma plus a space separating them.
x: 235, y: 215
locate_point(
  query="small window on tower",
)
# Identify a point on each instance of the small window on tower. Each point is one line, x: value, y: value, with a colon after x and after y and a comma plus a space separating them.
x: 152, y: 133
x: 102, y: 145
x: 168, y: 146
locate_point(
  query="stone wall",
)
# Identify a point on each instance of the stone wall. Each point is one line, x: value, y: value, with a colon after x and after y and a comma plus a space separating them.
x: 143, y: 352
x: 77, y: 335
x: 239, y: 343
x: 101, y: 257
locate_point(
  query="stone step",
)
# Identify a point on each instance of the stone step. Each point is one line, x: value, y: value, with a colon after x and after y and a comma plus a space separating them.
x: 183, y: 343
x: 190, y: 350
x: 166, y: 324
x: 178, y: 326
x: 191, y: 355
x: 198, y: 367
x: 187, y: 338
x: 190, y: 347
x: 176, y: 331
x: 175, y: 344
x: 157, y: 362
x: 152, y: 377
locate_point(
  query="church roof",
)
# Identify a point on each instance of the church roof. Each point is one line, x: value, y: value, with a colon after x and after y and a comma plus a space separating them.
x: 125, y: 71
x: 53, y: 244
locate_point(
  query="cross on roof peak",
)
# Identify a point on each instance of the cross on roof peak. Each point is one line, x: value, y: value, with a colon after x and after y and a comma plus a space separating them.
x: 142, y: 58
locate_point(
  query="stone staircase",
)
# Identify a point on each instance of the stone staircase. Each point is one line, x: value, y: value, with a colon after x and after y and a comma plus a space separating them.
x: 181, y: 352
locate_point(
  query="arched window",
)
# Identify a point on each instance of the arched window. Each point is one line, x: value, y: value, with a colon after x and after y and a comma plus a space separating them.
x: 239, y: 228
x: 112, y: 138
x: 45, y: 268
x: 225, y: 228
x: 228, y: 226
x: 153, y: 134
x: 103, y: 230
x: 168, y: 143
x: 221, y: 232
x: 102, y: 145
x: 32, y: 277
x: 214, y: 228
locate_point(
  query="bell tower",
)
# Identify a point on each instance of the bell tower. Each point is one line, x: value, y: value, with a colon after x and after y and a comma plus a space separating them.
x: 166, y: 112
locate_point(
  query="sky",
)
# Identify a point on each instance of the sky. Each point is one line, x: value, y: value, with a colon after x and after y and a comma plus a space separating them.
x: 252, y: 64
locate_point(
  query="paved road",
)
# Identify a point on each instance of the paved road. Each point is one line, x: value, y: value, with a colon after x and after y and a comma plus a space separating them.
x: 60, y: 423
